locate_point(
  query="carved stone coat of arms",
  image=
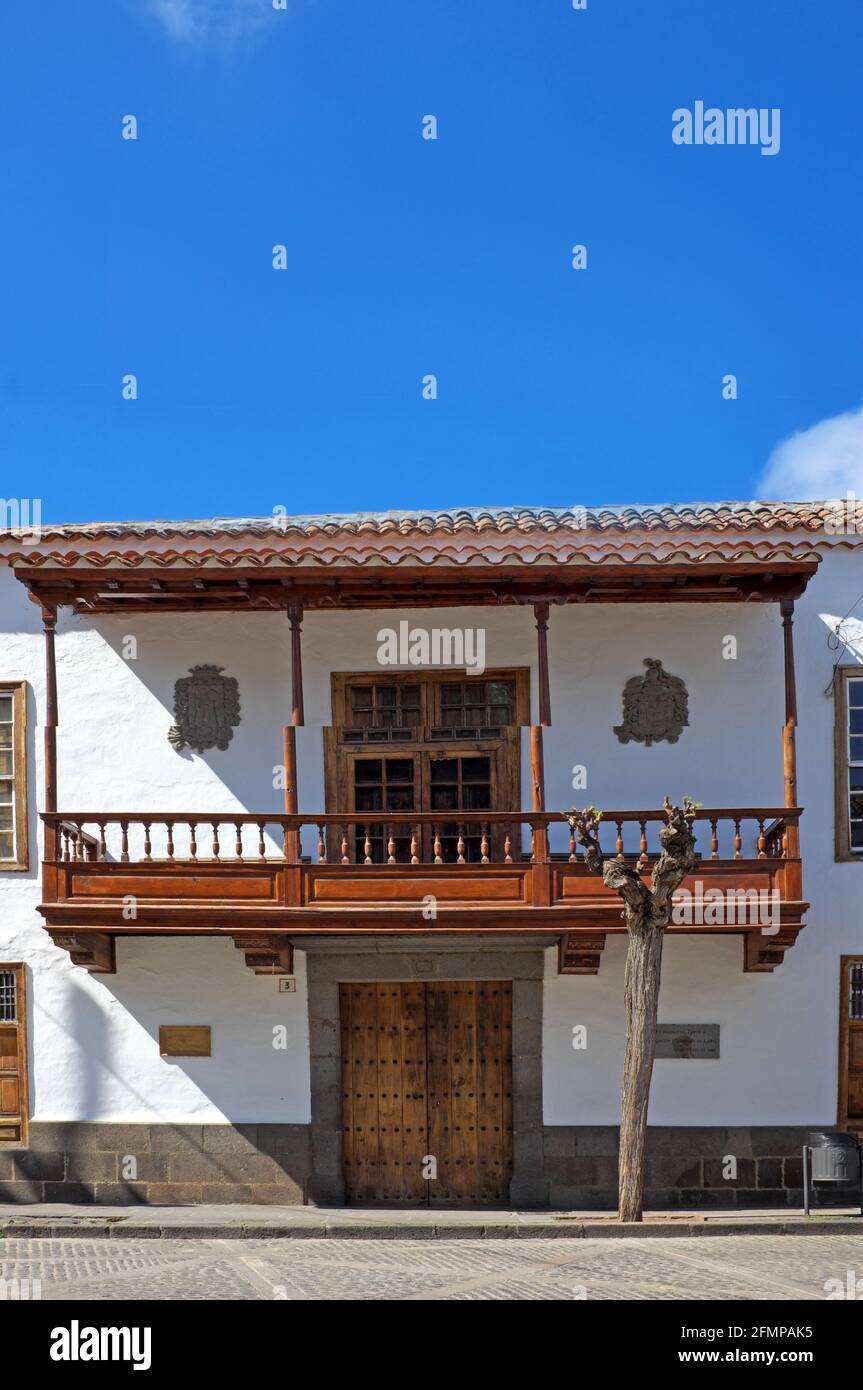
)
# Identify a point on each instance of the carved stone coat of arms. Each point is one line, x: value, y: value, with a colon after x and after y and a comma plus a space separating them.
x: 206, y: 708
x: 655, y: 707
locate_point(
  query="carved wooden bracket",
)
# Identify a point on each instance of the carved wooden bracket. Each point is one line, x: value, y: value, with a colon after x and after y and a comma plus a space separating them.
x: 93, y: 951
x: 579, y: 953
x: 267, y: 953
x: 763, y: 953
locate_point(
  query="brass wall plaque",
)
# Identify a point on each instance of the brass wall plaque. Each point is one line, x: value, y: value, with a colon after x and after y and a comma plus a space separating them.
x: 699, y: 1041
x: 185, y: 1040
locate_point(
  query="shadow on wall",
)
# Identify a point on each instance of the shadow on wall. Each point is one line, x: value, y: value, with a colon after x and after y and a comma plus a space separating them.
x: 248, y: 650
x: 116, y: 1071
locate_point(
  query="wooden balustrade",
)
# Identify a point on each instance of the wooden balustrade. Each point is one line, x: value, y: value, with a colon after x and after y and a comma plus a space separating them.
x: 467, y: 838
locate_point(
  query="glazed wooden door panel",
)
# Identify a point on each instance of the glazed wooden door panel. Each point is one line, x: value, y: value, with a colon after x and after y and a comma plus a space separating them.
x: 13, y: 1055
x: 427, y: 1094
x: 851, y: 1043
x: 384, y: 1092
x: 855, y: 1073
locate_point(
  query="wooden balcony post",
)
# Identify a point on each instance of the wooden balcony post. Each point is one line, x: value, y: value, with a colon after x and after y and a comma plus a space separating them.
x: 295, y: 616
x: 292, y: 838
x: 49, y: 624
x: 537, y: 769
x: 537, y: 762
x: 541, y: 614
x: 789, y: 731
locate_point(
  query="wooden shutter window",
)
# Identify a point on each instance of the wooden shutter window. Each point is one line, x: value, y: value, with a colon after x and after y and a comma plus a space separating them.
x: 14, y: 853
x: 848, y: 692
x: 13, y: 1055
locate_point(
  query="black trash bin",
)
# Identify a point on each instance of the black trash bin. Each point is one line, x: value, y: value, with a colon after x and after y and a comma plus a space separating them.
x: 832, y: 1167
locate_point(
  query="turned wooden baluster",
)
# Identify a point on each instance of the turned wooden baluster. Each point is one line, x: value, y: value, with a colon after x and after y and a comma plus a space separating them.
x: 346, y: 848
x: 483, y: 846
x: 147, y: 845
x: 215, y: 825
x: 785, y: 840
x: 618, y: 844
x: 737, y: 840
x: 367, y: 847
x: 169, y: 849
x: 532, y: 843
x: 573, y: 851
x: 762, y: 850
x: 193, y: 843
x: 238, y: 841
x: 507, y: 849
x: 322, y: 846
x: 262, y: 845
x: 642, y: 845
x: 415, y: 859
x: 714, y: 839
x: 460, y: 846
x: 124, y: 841
x: 64, y: 841
x: 103, y: 847
x: 438, y: 858
x: 391, y: 847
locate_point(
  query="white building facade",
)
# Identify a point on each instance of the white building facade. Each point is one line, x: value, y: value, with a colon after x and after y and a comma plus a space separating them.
x: 330, y: 940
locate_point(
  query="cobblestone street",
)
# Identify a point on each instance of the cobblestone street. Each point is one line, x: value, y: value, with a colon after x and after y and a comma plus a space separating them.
x: 726, y: 1267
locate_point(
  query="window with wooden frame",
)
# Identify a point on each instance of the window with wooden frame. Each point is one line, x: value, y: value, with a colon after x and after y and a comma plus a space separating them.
x: 449, y: 744
x: 14, y: 853
x: 848, y: 819
x: 13, y: 1054
x: 369, y: 707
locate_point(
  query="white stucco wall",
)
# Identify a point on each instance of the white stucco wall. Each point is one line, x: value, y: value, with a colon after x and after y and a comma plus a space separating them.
x: 779, y: 1031
x: 94, y: 1053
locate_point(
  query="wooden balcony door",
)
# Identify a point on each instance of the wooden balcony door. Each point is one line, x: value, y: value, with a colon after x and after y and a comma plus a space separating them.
x: 434, y: 743
x: 851, y: 1043
x: 427, y: 1092
x: 445, y: 782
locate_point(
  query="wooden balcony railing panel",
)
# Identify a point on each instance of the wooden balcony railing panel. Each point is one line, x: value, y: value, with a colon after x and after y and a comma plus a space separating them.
x: 273, y: 876
x: 295, y: 869
x: 408, y: 840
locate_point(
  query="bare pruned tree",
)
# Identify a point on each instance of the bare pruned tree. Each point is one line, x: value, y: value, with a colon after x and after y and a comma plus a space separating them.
x: 647, y: 911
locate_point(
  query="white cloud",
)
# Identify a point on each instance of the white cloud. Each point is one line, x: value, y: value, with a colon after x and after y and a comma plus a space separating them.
x: 823, y: 462
x: 192, y: 20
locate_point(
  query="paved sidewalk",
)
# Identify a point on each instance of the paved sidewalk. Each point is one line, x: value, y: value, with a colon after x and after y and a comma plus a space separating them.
x: 737, y: 1268
x: 264, y: 1222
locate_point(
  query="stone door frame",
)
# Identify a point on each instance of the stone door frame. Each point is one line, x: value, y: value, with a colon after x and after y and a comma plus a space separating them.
x: 345, y: 960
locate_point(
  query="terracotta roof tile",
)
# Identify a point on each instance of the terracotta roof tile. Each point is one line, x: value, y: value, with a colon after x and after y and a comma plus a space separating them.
x: 694, y: 516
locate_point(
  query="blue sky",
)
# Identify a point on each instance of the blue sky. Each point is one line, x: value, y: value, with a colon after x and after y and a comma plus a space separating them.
x: 302, y: 388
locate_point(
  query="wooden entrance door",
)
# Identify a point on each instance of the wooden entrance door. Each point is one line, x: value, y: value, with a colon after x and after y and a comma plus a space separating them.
x: 427, y: 1093
x: 851, y: 1043
x: 13, y: 1055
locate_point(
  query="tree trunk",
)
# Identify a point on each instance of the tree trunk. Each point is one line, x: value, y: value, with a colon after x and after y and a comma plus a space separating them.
x: 647, y: 912
x: 641, y: 1001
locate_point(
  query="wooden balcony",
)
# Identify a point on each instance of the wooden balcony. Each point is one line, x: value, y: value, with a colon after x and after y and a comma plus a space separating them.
x: 267, y: 879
